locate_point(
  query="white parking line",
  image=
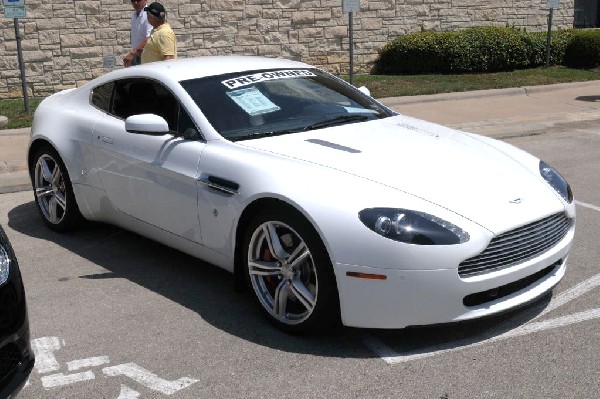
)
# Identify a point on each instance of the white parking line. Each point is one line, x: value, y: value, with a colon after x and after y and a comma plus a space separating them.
x: 590, y: 206
x: 390, y: 356
x: 570, y: 294
x: 552, y: 323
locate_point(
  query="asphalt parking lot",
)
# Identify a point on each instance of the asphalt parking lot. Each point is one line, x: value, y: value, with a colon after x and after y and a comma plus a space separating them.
x: 114, y: 315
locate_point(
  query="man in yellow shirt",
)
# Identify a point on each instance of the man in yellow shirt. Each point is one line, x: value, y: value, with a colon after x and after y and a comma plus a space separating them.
x: 161, y: 44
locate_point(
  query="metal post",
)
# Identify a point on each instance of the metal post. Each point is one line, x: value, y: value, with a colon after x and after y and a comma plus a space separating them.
x: 351, y: 48
x: 548, y: 37
x: 21, y: 67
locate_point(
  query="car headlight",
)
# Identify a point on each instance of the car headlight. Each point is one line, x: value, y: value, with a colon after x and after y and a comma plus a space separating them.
x: 4, y: 265
x: 412, y: 227
x: 557, y: 182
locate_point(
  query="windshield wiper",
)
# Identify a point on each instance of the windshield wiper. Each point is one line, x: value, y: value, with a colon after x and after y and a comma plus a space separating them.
x: 258, y: 135
x: 338, y: 120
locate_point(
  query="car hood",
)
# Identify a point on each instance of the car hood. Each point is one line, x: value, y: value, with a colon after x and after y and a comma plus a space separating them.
x: 449, y: 168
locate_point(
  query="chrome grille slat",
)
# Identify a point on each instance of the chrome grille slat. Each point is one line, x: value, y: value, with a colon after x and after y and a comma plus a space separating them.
x: 522, y: 255
x: 512, y: 261
x: 518, y: 245
x: 541, y: 229
x: 515, y: 249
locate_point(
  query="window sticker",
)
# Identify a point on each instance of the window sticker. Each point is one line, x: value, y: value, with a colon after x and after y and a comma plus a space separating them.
x: 252, y: 101
x: 355, y: 110
x: 247, y: 80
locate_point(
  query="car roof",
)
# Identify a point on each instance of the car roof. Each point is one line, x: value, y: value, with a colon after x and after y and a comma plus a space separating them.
x: 199, y: 67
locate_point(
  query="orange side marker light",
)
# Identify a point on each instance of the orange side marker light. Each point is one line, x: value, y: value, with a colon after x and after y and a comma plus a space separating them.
x: 367, y: 276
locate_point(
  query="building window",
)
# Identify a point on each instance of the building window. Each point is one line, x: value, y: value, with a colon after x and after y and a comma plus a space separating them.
x: 586, y: 14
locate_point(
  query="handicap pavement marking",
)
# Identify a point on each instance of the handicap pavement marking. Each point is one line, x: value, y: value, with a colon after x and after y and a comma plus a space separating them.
x: 46, y: 362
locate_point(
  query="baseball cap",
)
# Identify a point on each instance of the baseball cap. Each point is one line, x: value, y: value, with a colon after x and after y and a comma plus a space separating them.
x: 156, y: 9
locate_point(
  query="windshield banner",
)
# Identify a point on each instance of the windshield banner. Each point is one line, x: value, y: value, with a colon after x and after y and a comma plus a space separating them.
x: 263, y: 76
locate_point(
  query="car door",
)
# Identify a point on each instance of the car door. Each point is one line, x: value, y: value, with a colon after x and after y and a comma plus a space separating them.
x: 151, y: 178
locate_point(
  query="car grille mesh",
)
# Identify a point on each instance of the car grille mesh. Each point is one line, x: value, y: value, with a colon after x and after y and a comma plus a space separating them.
x: 518, y: 245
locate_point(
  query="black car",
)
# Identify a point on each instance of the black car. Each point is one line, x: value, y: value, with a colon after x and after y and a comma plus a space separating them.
x: 16, y: 356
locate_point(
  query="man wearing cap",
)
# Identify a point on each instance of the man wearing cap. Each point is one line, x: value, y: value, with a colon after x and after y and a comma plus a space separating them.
x: 162, y: 44
x: 140, y: 31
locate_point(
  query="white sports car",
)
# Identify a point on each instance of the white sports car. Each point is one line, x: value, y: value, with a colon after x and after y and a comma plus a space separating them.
x: 325, y: 203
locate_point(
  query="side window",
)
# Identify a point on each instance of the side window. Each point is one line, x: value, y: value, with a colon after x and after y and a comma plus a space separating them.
x: 101, y: 96
x: 144, y: 96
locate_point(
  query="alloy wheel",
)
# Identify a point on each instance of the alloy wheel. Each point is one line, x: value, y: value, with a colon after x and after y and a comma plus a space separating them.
x: 282, y: 272
x: 50, y: 189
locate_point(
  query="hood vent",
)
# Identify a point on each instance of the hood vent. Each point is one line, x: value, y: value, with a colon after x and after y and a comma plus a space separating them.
x: 333, y: 145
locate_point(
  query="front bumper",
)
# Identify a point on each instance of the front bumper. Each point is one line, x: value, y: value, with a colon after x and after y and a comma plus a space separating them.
x: 424, y: 297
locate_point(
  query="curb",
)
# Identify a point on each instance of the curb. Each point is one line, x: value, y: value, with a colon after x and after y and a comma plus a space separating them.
x: 462, y: 95
x: 559, y: 86
x: 474, y: 94
x: 15, y: 182
x: 15, y: 132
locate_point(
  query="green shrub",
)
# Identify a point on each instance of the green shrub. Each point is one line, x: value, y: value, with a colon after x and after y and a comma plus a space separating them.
x: 485, y: 49
x: 558, y: 45
x: 583, y: 50
x: 414, y: 51
x: 494, y: 49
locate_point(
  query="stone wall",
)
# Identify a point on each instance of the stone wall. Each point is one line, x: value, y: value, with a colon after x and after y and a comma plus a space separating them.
x: 68, y: 42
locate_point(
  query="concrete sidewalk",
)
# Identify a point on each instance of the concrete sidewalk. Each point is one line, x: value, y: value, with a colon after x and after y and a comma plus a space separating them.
x: 13, y: 165
x: 499, y: 113
x: 507, y: 112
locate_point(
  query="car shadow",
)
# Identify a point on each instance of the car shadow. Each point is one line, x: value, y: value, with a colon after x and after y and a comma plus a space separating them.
x: 209, y: 291
x: 588, y: 98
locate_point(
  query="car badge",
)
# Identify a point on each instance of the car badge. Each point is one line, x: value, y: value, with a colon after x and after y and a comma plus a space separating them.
x: 516, y: 200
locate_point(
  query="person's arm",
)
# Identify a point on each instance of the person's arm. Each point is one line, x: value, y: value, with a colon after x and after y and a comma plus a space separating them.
x: 138, y: 50
x: 130, y: 56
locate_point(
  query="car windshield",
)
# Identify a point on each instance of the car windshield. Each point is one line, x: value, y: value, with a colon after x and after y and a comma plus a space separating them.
x: 264, y: 103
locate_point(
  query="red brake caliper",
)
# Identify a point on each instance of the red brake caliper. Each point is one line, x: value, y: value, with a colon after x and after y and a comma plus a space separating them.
x: 268, y: 257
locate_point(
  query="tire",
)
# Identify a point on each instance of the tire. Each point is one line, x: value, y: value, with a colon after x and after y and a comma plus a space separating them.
x: 53, y: 191
x: 289, y: 273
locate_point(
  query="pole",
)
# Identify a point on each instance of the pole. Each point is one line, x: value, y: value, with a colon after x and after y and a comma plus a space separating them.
x: 21, y: 67
x: 351, y: 48
x: 548, y: 37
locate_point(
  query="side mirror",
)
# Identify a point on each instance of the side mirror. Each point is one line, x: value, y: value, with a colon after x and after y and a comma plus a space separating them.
x: 147, y: 124
x: 364, y: 90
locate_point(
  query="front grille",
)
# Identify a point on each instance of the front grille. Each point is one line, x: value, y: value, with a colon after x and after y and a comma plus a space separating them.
x: 9, y: 360
x: 518, y: 245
